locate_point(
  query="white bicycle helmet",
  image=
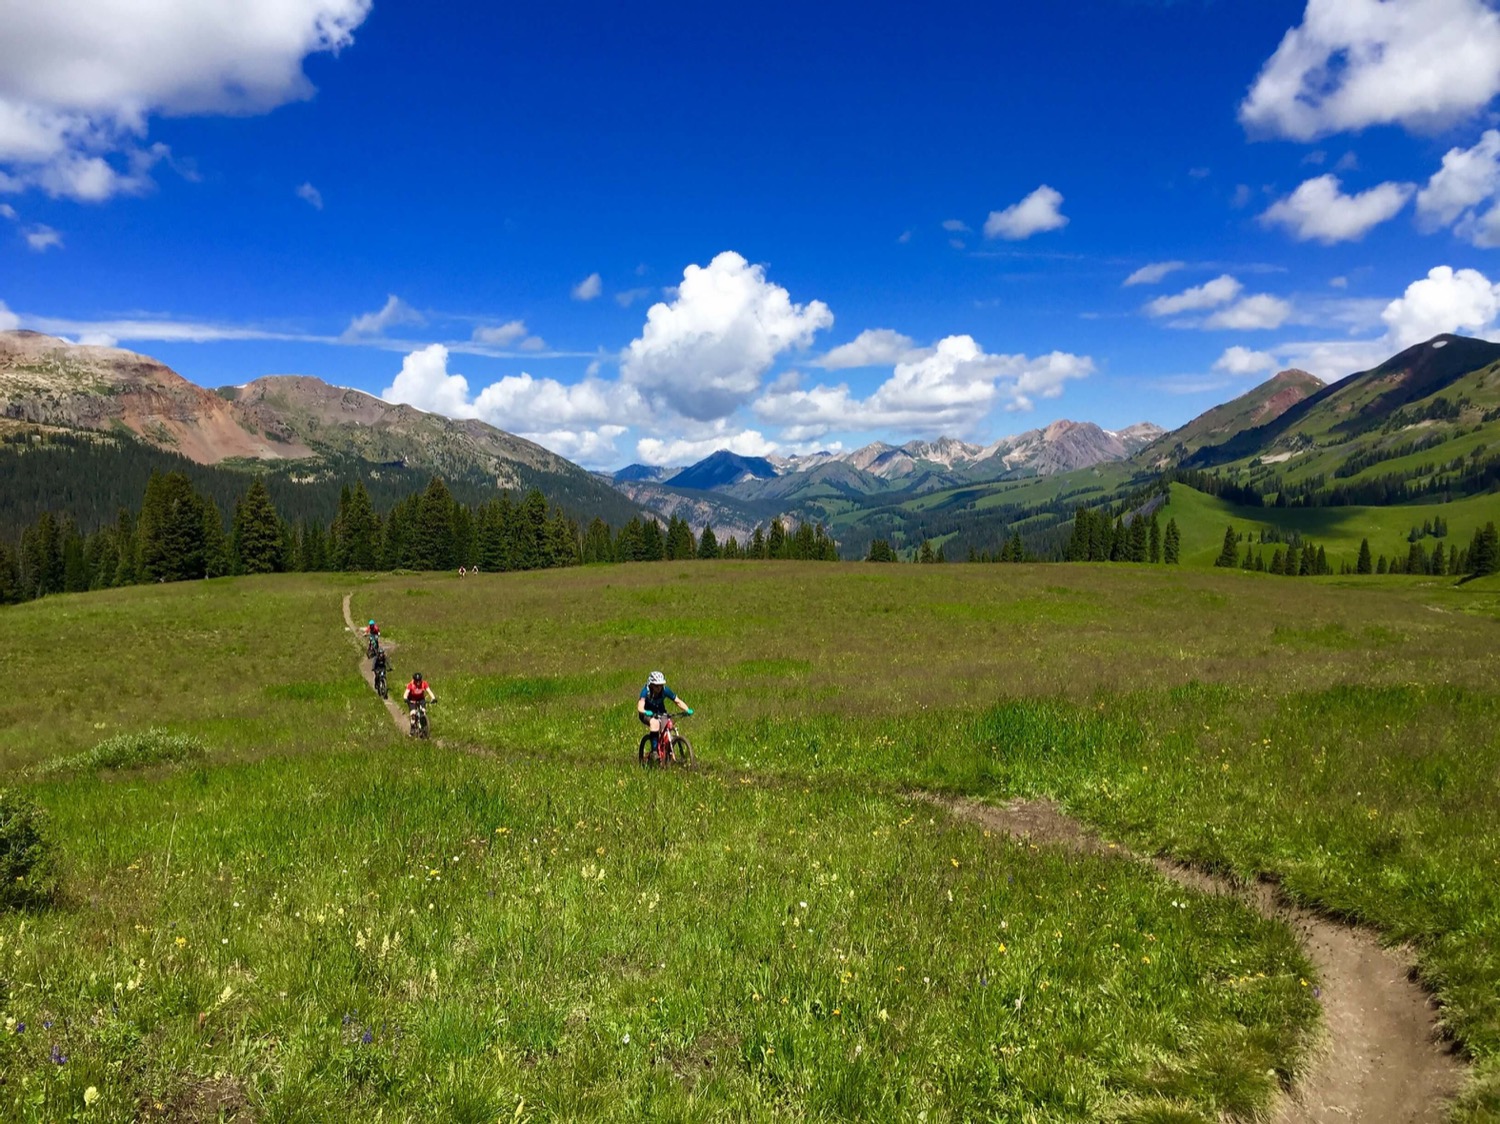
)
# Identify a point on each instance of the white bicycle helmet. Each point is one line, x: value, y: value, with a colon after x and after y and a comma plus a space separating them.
x: 656, y: 679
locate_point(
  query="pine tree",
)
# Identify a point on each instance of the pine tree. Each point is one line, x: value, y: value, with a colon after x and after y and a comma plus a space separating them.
x: 1381, y: 567
x: 218, y: 559
x: 10, y: 576
x: 1439, y: 564
x: 1484, y: 553
x: 732, y: 548
x: 925, y: 554
x: 1155, y: 548
x: 597, y: 545
x: 1172, y: 546
x: 880, y: 551
x: 1321, y: 563
x: 680, y: 543
x: 356, y: 531
x: 653, y: 549
x: 708, y: 544
x: 1416, y: 559
x: 257, y: 532
x: 758, y: 543
x: 1138, y: 539
x: 432, y: 542
x: 1364, y: 565
x: 75, y: 573
x: 1229, y: 556
x: 1309, y: 565
x: 170, y: 530
x: 776, y: 540
x: 629, y: 544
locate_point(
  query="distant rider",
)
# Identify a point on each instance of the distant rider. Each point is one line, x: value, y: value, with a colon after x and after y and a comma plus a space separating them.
x: 652, y: 704
x: 372, y: 636
x: 382, y: 662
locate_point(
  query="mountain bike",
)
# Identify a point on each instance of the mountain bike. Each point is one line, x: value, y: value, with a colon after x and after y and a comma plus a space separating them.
x: 381, y: 687
x: 667, y: 747
x: 372, y: 646
x: 418, y: 720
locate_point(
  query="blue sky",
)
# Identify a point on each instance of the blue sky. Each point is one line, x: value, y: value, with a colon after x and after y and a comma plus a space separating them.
x: 642, y: 233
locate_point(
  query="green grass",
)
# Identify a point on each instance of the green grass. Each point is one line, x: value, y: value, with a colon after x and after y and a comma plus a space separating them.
x: 1339, y: 530
x: 1334, y: 734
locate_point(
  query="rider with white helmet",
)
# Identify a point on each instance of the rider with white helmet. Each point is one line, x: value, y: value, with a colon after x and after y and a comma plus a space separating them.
x: 653, y: 702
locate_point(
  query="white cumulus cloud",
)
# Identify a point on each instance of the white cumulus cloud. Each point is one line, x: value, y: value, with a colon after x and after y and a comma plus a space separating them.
x: 80, y: 79
x: 1355, y: 63
x: 1240, y: 361
x: 1458, y: 191
x: 589, y: 288
x: 9, y: 321
x: 1038, y: 212
x: 1210, y: 294
x: 1446, y: 300
x: 1261, y: 311
x: 424, y: 382
x: 42, y: 238
x: 703, y: 354
x: 1154, y: 273
x: 311, y: 195
x: 950, y: 389
x: 1320, y: 211
x: 394, y: 311
x: 690, y: 449
x: 874, y: 347
x: 578, y: 420
x: 501, y: 335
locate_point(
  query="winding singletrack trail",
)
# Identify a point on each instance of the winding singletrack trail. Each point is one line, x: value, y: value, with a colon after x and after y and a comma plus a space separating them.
x: 1382, y: 1058
x: 367, y: 667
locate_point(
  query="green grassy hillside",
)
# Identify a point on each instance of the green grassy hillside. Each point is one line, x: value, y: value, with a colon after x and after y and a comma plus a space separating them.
x: 1339, y: 530
x: 320, y: 920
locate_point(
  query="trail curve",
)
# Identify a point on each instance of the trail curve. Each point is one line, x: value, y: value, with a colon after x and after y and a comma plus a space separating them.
x: 1382, y: 1058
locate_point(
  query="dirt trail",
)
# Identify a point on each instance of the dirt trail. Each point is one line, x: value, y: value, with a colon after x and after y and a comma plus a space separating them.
x: 1382, y: 1057
x: 367, y: 667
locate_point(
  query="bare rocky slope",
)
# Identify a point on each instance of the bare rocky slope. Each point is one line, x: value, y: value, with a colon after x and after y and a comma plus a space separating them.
x: 280, y: 418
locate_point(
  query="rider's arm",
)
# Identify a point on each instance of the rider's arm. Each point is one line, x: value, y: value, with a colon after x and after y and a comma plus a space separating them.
x: 430, y: 696
x: 681, y: 704
x: 640, y: 705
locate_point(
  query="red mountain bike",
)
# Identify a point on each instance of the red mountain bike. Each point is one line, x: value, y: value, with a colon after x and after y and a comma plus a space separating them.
x: 667, y: 747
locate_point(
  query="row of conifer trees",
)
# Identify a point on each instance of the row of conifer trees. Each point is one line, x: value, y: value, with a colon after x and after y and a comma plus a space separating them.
x: 1480, y: 557
x: 180, y: 534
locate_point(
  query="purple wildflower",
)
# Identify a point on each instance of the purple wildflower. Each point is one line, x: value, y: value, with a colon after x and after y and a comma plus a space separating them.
x: 1317, y: 993
x: 367, y: 1037
x: 58, y: 1057
x: 46, y: 1024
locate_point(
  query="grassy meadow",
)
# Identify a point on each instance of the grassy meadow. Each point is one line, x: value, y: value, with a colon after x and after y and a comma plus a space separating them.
x: 317, y: 919
x: 1340, y: 530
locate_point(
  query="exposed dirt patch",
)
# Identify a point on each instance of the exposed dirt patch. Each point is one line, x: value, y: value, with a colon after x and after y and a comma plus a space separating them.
x: 202, y: 1100
x: 1382, y: 1056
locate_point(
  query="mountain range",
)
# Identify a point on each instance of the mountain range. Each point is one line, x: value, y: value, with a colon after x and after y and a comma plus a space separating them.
x: 1438, y: 398
x: 275, y: 420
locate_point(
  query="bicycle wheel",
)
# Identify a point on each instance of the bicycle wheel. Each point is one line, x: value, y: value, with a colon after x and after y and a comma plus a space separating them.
x: 684, y: 751
x: 642, y: 749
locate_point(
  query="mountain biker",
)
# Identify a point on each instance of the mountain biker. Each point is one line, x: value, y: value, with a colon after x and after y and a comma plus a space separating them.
x: 382, y: 662
x: 652, y: 705
x: 418, y: 690
x: 372, y: 636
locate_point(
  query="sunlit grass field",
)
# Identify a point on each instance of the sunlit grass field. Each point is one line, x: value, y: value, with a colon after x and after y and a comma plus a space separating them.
x: 322, y: 920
